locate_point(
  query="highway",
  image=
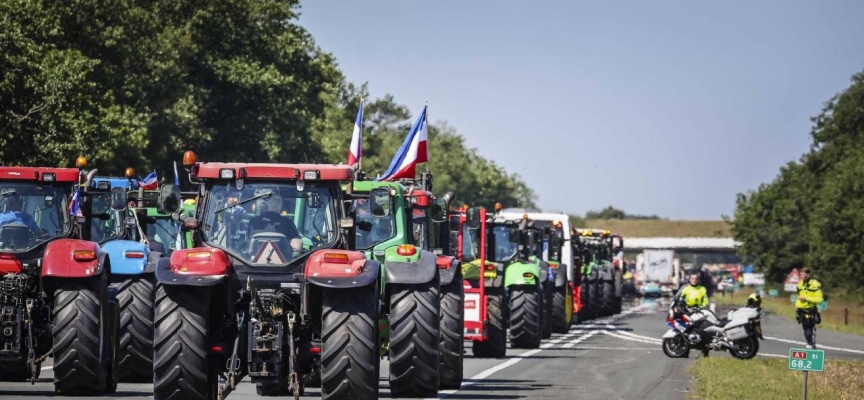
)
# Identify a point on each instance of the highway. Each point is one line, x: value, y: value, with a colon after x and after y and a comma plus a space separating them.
x: 617, y: 357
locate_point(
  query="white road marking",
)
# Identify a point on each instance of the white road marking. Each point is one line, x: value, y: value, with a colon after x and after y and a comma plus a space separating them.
x: 633, y: 335
x: 509, y: 363
x: 818, y: 346
x: 578, y: 340
x: 620, y: 336
x: 616, y: 348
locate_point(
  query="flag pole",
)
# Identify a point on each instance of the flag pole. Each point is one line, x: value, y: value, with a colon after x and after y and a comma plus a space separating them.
x: 427, y: 132
x: 360, y: 145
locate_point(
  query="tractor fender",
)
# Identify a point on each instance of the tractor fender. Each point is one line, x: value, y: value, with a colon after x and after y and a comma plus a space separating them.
x: 59, y: 259
x: 193, y: 267
x: 448, y: 267
x: 421, y: 270
x: 561, y: 275
x: 544, y: 270
x: 127, y: 257
x: 515, y: 274
x: 340, y: 269
x: 152, y: 259
x: 496, y: 281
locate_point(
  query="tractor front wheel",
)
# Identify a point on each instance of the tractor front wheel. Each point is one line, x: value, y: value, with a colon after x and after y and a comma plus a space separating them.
x: 135, y: 296
x: 562, y: 309
x: 350, y: 352
x: 414, y: 339
x: 525, y: 329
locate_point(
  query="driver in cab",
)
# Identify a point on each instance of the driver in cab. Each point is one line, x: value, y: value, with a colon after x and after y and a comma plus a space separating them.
x: 271, y: 220
x: 12, y: 214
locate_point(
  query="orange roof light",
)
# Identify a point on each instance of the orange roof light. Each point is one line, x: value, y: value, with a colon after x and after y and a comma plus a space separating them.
x: 130, y: 172
x: 406, y: 250
x: 81, y: 162
x: 498, y: 206
x: 189, y: 158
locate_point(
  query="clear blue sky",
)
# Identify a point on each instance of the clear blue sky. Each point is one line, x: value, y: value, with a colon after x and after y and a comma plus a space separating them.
x: 655, y: 107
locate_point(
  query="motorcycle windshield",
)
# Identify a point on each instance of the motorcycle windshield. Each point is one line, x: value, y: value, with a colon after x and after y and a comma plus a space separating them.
x: 270, y: 224
x: 32, y: 213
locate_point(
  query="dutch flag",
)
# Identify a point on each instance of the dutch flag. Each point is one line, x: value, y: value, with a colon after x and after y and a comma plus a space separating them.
x: 412, y: 152
x: 356, y: 150
x: 149, y: 182
x: 75, y: 204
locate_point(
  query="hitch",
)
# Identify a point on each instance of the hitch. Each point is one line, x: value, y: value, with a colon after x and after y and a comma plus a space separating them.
x: 234, y: 362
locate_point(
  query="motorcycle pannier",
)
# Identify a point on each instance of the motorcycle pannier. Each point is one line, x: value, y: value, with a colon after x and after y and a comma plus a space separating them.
x: 738, y: 332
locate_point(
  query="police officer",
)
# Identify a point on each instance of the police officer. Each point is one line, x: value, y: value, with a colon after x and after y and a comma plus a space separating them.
x: 693, y: 294
x: 809, y: 297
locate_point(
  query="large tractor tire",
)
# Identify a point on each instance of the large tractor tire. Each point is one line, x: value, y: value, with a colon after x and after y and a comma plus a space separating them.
x: 495, y: 345
x: 350, y: 353
x: 586, y: 312
x: 608, y: 296
x: 525, y: 308
x: 181, y: 369
x: 597, y: 296
x: 619, y: 291
x: 452, y: 326
x: 414, y: 339
x: 562, y: 309
x: 82, y: 336
x: 548, y: 294
x: 135, y: 296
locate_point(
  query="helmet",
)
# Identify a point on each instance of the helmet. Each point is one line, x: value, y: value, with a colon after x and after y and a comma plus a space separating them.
x: 755, y: 300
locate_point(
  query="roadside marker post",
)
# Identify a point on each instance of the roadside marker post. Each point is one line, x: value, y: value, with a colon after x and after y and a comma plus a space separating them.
x: 806, y: 360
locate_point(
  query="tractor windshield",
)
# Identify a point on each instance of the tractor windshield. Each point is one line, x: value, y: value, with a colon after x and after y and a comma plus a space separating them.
x: 470, y: 244
x: 373, y: 229
x: 32, y: 213
x: 107, y: 223
x: 270, y: 224
x: 164, y: 231
x: 505, y: 248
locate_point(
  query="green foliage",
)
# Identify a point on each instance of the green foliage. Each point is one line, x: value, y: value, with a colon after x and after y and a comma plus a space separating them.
x: 135, y: 83
x: 813, y: 212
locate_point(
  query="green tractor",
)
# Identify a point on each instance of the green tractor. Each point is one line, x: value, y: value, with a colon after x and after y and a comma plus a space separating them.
x: 602, y: 283
x: 515, y: 276
x: 404, y: 226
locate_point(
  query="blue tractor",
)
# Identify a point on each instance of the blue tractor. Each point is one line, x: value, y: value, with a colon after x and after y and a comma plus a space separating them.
x: 133, y: 255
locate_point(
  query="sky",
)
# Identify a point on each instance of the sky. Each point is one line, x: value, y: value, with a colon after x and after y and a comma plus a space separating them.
x: 653, y: 107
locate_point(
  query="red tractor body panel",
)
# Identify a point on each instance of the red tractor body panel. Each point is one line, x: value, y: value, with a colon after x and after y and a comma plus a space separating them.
x: 71, y: 258
x: 202, y: 261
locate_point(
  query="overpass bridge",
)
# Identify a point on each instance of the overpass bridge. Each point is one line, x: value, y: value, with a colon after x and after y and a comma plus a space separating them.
x: 692, y: 245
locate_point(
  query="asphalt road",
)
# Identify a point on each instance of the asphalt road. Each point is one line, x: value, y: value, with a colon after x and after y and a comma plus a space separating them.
x: 618, y: 357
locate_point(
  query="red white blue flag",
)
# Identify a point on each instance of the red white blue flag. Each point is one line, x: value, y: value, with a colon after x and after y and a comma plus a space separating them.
x: 412, y: 152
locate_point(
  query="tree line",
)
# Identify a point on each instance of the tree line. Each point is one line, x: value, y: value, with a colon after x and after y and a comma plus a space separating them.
x: 136, y: 83
x: 813, y: 212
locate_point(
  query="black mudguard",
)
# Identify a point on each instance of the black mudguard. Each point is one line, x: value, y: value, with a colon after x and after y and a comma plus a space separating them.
x: 153, y: 258
x: 446, y: 275
x: 371, y: 271
x: 412, y: 273
x: 166, y: 277
x: 498, y: 281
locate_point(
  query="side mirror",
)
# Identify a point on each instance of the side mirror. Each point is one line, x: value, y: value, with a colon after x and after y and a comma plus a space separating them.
x: 554, y: 241
x: 49, y: 201
x: 437, y: 210
x: 118, y: 199
x: 473, y: 218
x: 313, y: 200
x: 169, y: 199
x: 379, y: 202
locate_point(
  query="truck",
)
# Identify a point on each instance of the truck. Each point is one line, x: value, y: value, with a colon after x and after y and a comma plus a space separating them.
x: 659, y: 273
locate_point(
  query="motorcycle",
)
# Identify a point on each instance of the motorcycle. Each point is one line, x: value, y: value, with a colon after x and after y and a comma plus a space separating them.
x: 700, y: 329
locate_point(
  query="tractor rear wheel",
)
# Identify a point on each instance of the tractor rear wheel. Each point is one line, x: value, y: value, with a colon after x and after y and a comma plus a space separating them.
x: 586, y: 312
x: 181, y: 369
x: 452, y: 325
x: 350, y: 352
x: 525, y: 329
x: 81, y: 335
x: 495, y: 345
x: 562, y: 309
x: 548, y: 294
x: 135, y: 296
x: 608, y: 296
x: 414, y: 339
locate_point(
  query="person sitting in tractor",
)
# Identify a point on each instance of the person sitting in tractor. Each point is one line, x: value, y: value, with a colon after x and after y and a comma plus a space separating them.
x: 13, y: 214
x: 271, y: 220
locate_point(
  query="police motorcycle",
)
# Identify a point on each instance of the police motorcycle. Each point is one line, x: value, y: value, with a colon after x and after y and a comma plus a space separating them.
x: 738, y: 332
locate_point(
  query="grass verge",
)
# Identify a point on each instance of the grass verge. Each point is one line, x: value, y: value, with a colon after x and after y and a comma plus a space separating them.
x: 832, y: 318
x: 662, y: 228
x: 729, y: 378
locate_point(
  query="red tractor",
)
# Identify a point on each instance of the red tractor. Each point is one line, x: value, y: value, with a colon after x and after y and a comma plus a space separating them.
x: 54, y: 298
x: 272, y: 288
